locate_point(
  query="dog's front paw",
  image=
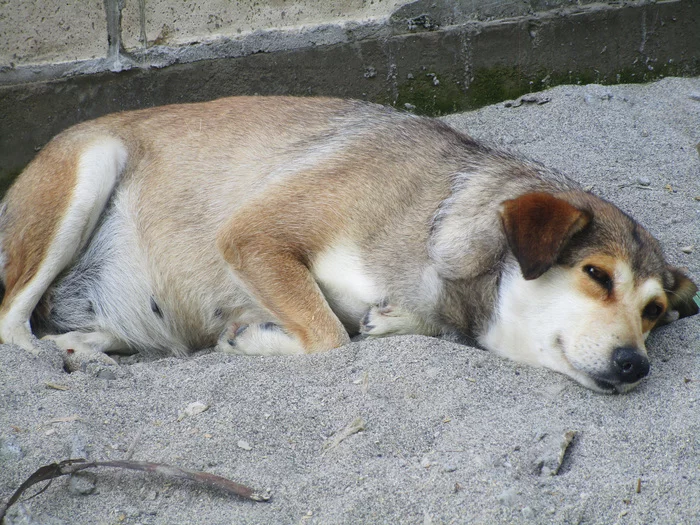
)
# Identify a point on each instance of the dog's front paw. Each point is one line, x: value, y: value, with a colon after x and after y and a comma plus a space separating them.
x: 385, y: 319
x: 258, y: 339
x: 382, y: 320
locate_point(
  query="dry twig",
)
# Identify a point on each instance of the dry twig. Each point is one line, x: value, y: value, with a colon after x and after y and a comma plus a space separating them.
x: 70, y: 466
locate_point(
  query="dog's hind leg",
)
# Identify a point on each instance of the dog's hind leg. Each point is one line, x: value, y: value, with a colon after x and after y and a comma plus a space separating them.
x: 268, y: 249
x: 79, y: 348
x: 48, y: 217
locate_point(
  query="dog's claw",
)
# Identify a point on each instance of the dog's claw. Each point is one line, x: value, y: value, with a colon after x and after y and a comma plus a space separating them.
x: 365, y: 325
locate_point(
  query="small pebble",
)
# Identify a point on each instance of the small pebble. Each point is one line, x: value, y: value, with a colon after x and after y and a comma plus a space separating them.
x: 643, y: 181
x: 106, y: 374
x: 528, y: 513
x: 10, y: 450
x: 132, y: 512
x: 688, y: 249
x: 551, y: 457
x: 449, y: 467
x: 192, y: 410
x: 100, y: 369
x: 76, y: 447
x: 82, y: 483
x: 507, y: 497
x: 244, y: 445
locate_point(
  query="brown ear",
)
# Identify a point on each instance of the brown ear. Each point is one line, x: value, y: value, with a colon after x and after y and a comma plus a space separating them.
x: 537, y: 226
x: 683, y: 296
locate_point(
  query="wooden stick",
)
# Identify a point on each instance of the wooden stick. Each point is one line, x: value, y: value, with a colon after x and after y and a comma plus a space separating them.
x: 69, y: 466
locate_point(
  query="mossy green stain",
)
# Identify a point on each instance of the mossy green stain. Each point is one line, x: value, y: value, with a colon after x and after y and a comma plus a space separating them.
x: 429, y: 98
x: 496, y: 84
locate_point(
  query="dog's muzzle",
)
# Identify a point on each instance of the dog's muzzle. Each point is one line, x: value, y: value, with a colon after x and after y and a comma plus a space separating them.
x: 628, y: 367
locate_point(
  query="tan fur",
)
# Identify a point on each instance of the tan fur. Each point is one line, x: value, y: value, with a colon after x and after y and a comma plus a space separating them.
x: 52, y: 176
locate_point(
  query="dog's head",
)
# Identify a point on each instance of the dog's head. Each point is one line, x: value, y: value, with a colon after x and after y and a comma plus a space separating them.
x: 592, y: 285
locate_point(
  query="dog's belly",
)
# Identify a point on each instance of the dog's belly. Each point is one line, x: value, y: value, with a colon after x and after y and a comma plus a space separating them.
x: 152, y: 292
x: 349, y: 289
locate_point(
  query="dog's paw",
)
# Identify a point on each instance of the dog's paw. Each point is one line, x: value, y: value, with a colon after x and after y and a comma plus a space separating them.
x: 258, y: 339
x: 79, y: 349
x: 20, y: 335
x: 385, y: 319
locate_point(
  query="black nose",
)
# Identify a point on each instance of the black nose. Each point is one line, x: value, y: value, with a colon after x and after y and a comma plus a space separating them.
x: 629, y: 364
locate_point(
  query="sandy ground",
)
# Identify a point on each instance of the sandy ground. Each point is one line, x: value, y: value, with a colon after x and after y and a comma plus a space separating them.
x: 451, y: 434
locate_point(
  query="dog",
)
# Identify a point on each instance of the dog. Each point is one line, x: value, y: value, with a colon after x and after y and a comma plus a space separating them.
x: 286, y: 225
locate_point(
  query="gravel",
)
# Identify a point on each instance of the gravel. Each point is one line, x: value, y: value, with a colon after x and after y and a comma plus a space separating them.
x: 406, y: 429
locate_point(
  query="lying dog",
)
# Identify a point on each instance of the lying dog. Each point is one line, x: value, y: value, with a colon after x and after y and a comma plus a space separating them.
x: 282, y: 225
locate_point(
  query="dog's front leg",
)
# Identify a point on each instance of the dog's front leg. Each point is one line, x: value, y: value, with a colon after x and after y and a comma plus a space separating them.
x: 273, y: 270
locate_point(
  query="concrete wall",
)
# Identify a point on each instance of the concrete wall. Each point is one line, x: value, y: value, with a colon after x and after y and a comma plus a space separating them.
x: 153, y: 22
x: 80, y: 59
x: 36, y: 32
x: 44, y: 39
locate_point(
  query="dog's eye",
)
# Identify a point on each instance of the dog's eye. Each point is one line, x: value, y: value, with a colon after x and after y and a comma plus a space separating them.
x: 652, y: 311
x: 599, y: 276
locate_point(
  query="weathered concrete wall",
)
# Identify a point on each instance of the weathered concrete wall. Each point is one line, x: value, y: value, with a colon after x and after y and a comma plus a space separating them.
x: 42, y: 40
x: 35, y: 31
x: 163, y: 22
x: 431, y: 56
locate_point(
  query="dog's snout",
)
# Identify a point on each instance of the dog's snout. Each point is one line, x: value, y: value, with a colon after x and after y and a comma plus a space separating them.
x: 629, y: 364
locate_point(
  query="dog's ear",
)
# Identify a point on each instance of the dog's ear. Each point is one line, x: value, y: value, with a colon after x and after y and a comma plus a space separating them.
x: 538, y: 226
x: 683, y: 297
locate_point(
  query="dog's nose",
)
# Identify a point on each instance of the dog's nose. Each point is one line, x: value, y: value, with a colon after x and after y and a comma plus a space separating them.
x: 629, y: 364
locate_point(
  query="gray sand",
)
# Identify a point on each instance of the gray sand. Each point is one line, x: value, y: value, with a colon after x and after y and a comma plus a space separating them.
x: 452, y: 433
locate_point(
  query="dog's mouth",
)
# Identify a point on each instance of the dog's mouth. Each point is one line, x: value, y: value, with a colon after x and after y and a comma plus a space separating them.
x: 610, y: 387
x: 599, y: 382
x: 607, y: 386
